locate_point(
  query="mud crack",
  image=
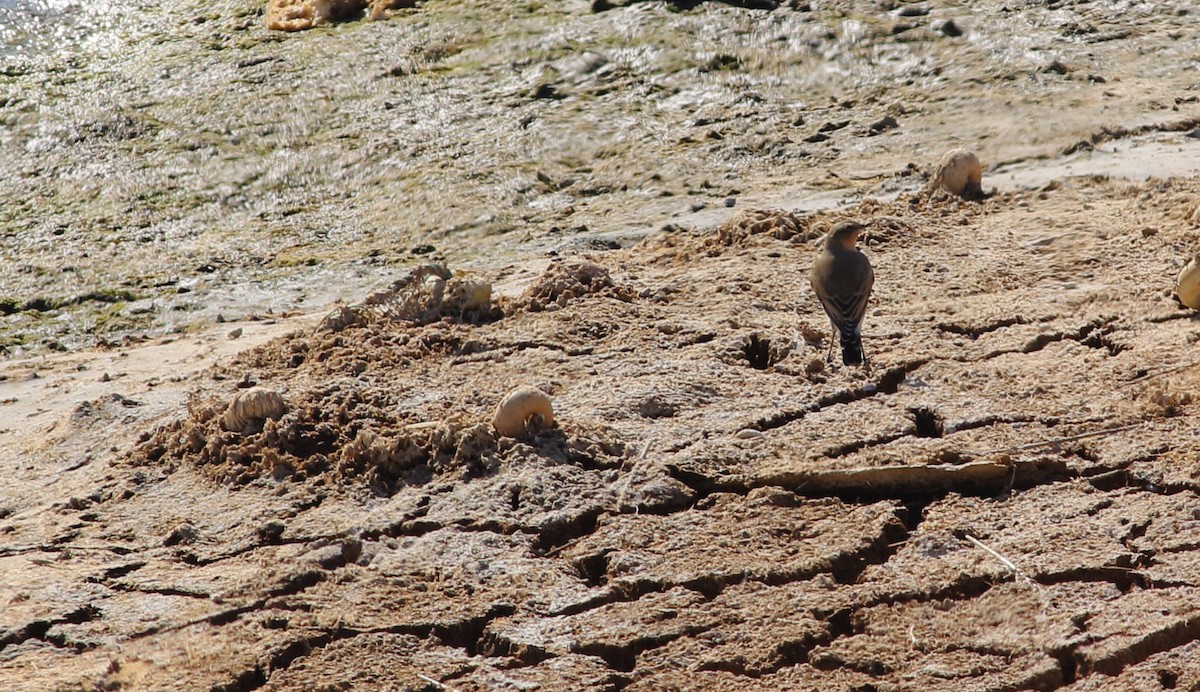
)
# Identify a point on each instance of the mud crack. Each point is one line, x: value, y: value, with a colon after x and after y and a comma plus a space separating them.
x: 887, y: 383
x: 38, y: 629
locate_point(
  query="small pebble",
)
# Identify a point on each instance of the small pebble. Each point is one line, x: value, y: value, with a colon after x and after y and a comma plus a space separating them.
x: 730, y: 201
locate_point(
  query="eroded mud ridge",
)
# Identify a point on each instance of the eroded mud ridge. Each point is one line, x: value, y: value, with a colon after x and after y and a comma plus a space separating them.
x: 1007, y: 500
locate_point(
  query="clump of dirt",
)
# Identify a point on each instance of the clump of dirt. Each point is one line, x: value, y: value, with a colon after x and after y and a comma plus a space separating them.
x: 354, y: 402
x: 568, y: 279
x: 344, y: 432
x: 778, y: 224
x: 423, y: 295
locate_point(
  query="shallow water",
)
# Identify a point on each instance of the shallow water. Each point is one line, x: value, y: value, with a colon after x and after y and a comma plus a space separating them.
x: 41, y: 28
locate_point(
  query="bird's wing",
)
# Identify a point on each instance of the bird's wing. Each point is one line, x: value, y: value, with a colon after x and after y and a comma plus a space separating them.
x: 844, y: 290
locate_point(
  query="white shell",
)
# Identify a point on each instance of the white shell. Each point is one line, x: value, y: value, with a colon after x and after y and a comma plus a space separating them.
x: 524, y: 408
x: 256, y: 403
x: 959, y: 173
x: 1187, y: 286
x: 466, y: 295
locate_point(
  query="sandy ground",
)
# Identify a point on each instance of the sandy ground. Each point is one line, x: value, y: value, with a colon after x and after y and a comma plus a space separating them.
x: 1007, y: 499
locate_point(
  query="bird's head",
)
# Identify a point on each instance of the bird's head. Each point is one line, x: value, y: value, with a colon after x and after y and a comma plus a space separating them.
x: 846, y: 234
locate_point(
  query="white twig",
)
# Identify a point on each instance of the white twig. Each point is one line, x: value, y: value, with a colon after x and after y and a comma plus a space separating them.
x: 1068, y: 438
x: 440, y: 685
x: 1005, y: 561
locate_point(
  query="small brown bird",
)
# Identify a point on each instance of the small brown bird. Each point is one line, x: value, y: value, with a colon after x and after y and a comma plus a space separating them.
x: 842, y: 278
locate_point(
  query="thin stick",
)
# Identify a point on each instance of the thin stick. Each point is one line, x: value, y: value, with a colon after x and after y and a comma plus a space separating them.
x: 430, y: 680
x: 1006, y: 562
x: 1160, y: 373
x: 1069, y: 438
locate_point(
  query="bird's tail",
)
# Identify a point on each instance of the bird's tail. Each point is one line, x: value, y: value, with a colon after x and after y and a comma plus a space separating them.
x: 852, y: 350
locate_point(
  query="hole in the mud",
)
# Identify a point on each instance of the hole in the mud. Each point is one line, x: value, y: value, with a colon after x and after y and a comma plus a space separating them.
x: 757, y: 351
x: 469, y: 634
x: 840, y: 624
x: 710, y: 586
x: 301, y: 647
x: 557, y: 533
x: 1168, y: 679
x: 913, y: 515
x: 1098, y: 338
x: 247, y: 680
x: 593, y: 569
x: 617, y: 658
x: 926, y: 422
x: 1069, y: 666
x: 891, y: 380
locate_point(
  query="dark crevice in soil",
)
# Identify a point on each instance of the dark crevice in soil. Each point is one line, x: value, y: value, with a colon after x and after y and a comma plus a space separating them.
x: 711, y: 585
x: 617, y: 592
x: 293, y: 585
x: 1173, y: 636
x: 926, y: 422
x: 9, y: 306
x: 623, y: 657
x: 1108, y: 477
x: 246, y: 681
x: 1123, y: 578
x: 1110, y: 132
x: 704, y: 485
x: 280, y: 659
x: 494, y: 646
x: 412, y: 526
x: 1108, y: 480
x: 859, y: 445
x: 974, y: 332
x: 845, y: 568
x: 193, y: 560
x: 1067, y: 664
x: 757, y: 351
x: 965, y: 588
x: 887, y: 383
x: 467, y: 635
x: 558, y: 533
x: 1092, y: 331
x: 121, y: 550
x: 849, y: 567
x: 38, y: 628
x: 842, y: 624
x: 593, y: 569
x: 921, y: 484
x: 929, y: 423
x: 987, y: 421
x: 159, y: 590
x: 115, y: 572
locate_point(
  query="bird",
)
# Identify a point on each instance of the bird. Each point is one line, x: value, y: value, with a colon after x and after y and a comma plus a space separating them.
x: 842, y: 278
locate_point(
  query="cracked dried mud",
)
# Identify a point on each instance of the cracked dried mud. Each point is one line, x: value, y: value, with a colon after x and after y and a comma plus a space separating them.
x: 1008, y: 498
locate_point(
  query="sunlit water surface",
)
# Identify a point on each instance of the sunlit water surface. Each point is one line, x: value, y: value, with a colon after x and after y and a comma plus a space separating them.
x: 36, y: 29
